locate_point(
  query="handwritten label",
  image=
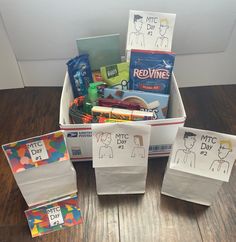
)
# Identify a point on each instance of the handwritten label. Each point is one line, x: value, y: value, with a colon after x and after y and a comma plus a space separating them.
x: 37, y: 151
x: 121, y: 140
x: 207, y: 143
x: 55, y: 216
x: 116, y: 145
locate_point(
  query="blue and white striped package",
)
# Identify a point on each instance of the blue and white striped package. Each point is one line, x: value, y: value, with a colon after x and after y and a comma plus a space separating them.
x: 150, y: 71
x: 80, y: 74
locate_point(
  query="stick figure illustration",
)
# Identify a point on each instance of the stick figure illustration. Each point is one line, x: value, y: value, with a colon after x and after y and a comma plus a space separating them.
x: 136, y: 38
x: 138, y: 150
x: 222, y: 165
x: 162, y: 40
x: 105, y: 150
x: 186, y: 156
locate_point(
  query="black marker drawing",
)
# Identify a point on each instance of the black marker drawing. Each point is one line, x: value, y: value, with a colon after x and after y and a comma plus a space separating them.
x: 222, y: 165
x: 162, y: 40
x: 136, y: 38
x: 138, y: 150
x: 124, y: 85
x: 105, y: 150
x: 186, y: 156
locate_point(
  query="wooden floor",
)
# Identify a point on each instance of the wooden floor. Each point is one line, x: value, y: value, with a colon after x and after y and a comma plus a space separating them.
x: 128, y: 218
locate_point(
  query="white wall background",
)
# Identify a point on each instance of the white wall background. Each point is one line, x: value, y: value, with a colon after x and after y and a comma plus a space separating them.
x: 9, y: 70
x: 42, y: 35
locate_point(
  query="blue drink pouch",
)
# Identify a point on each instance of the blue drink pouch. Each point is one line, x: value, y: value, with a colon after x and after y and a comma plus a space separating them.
x: 80, y: 74
x: 150, y: 71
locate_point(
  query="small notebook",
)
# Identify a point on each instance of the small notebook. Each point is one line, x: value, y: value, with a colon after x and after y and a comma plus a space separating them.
x: 103, y: 50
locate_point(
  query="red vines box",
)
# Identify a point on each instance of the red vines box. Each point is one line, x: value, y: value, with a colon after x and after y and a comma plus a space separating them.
x: 150, y: 71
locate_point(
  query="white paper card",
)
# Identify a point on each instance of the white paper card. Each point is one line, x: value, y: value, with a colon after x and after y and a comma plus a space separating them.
x: 120, y: 144
x: 204, y: 153
x: 37, y: 151
x: 55, y: 216
x: 150, y: 30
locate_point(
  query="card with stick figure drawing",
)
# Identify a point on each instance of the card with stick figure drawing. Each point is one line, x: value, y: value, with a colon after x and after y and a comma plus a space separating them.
x: 120, y: 144
x: 205, y: 153
x: 150, y: 31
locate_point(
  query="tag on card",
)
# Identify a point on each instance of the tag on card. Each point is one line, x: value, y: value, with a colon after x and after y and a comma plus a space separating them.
x: 55, y: 216
x: 117, y: 144
x: 37, y: 151
x: 204, y: 153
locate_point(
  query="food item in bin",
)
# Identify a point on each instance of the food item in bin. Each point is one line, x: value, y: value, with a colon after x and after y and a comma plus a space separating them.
x: 114, y: 103
x: 79, y: 117
x: 120, y: 114
x: 116, y: 76
x: 111, y: 120
x: 80, y: 74
x: 156, y: 103
x: 92, y: 97
x: 98, y: 111
x: 141, y: 115
x: 97, y: 77
x: 151, y: 71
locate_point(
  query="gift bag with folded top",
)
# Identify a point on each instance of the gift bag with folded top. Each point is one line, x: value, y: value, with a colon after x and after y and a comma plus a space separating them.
x: 120, y: 157
x: 47, y: 180
x: 199, y: 163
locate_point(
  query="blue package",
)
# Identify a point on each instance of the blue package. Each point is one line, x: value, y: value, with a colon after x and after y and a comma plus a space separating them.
x: 80, y: 74
x: 150, y: 71
x: 149, y: 102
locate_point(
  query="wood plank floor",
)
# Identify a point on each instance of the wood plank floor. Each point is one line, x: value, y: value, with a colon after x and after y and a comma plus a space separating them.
x: 129, y: 218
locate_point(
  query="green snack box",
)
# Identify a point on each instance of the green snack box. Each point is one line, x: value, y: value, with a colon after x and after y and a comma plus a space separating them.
x: 116, y: 76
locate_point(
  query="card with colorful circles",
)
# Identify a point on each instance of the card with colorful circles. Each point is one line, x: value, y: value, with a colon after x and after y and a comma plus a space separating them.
x: 36, y: 151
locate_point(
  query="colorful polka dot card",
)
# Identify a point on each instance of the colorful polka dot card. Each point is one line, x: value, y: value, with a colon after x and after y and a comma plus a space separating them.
x: 54, y: 216
x: 37, y: 151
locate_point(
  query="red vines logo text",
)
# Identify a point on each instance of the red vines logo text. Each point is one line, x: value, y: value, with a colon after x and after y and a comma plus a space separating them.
x: 151, y: 73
